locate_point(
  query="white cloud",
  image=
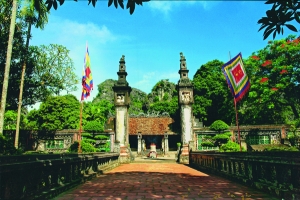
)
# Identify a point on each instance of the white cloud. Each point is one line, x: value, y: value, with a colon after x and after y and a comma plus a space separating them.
x: 161, y: 6
x: 165, y: 7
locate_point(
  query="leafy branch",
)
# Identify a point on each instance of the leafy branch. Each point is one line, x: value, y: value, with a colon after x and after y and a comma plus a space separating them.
x: 281, y: 13
x: 130, y: 3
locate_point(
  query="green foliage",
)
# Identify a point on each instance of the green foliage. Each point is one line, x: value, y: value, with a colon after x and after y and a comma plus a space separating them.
x: 212, y: 97
x: 170, y: 107
x: 221, y: 137
x: 130, y: 4
x: 281, y: 149
x: 54, y: 70
x: 105, y: 147
x: 166, y: 97
x: 93, y: 127
x: 274, y: 95
x: 87, y: 147
x: 7, y: 146
x: 219, y: 125
x: 178, y: 144
x: 101, y: 137
x: 281, y: 14
x: 230, y: 147
x: 95, y: 115
x: 207, y: 144
x: 293, y: 138
x: 56, y: 113
x: 10, y: 120
x: 86, y: 135
x: 17, y: 55
x: 74, y: 147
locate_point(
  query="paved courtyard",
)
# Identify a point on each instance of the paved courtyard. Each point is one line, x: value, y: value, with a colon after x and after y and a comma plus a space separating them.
x: 154, y: 180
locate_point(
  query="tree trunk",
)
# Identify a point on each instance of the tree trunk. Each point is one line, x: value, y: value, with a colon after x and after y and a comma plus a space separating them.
x: 22, y: 86
x: 7, y: 64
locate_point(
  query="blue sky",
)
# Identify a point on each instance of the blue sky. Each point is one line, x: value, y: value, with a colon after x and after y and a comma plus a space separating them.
x: 152, y: 38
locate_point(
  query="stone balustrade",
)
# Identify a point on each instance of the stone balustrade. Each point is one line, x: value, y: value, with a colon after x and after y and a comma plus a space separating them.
x: 43, y: 176
x: 277, y: 173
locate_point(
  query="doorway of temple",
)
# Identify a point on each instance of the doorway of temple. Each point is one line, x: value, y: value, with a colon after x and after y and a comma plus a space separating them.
x: 156, y: 139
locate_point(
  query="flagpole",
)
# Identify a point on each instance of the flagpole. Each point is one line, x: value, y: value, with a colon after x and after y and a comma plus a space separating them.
x: 237, y: 123
x: 80, y: 128
x: 236, y: 115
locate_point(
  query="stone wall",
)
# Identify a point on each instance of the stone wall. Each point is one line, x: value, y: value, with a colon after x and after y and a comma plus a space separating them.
x: 276, y: 133
x: 150, y: 125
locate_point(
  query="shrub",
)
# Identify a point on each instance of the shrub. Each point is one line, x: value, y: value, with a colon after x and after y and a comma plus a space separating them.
x: 106, y: 147
x: 221, y: 137
x: 219, y: 126
x: 93, y: 127
x: 101, y: 137
x: 207, y: 144
x: 293, y: 138
x: 281, y: 149
x: 230, y: 147
x: 87, y: 147
x: 74, y: 147
x: 7, y: 146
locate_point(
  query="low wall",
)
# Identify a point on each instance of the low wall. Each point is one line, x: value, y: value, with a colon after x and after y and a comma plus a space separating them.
x: 277, y: 173
x: 45, y: 176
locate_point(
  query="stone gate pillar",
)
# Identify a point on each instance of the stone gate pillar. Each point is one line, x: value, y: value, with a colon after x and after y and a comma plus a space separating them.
x: 185, y: 100
x: 121, y: 100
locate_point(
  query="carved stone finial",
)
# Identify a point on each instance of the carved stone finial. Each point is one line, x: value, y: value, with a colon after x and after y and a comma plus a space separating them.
x: 123, y: 58
x: 181, y: 54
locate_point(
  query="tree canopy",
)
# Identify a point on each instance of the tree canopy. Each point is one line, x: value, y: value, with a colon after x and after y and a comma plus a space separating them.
x: 274, y: 96
x: 56, y: 113
x: 213, y: 99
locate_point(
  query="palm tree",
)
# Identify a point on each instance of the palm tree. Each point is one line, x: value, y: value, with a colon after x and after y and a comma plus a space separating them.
x: 8, y: 60
x: 39, y: 19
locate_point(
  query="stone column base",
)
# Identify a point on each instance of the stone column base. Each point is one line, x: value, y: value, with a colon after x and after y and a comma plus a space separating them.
x: 184, y: 155
x: 124, y: 155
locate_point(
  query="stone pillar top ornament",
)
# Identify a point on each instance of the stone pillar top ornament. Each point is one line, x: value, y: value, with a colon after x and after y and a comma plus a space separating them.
x: 121, y: 88
x: 122, y: 66
x: 185, y: 85
x: 182, y: 61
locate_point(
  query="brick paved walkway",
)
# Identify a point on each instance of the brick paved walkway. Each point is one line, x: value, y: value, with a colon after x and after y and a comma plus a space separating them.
x: 160, y: 181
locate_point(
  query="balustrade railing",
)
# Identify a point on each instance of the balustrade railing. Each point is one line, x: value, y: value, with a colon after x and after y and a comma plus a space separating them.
x: 47, y: 175
x: 277, y: 173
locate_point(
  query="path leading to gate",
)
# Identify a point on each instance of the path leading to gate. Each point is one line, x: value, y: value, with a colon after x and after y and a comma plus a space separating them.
x: 160, y: 181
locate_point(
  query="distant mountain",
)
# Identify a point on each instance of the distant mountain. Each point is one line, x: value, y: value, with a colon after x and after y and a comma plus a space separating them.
x: 138, y: 98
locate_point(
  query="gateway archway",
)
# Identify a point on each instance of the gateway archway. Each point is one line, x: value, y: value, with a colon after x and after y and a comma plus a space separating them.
x: 153, y: 128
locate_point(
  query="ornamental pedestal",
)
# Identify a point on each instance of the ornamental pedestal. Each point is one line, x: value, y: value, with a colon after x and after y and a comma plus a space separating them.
x: 124, y: 154
x: 184, y: 154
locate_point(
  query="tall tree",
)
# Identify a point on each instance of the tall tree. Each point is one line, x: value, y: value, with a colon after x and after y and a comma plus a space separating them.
x: 8, y: 60
x: 213, y: 99
x: 54, y: 70
x: 274, y: 96
x: 39, y: 20
x: 56, y: 113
